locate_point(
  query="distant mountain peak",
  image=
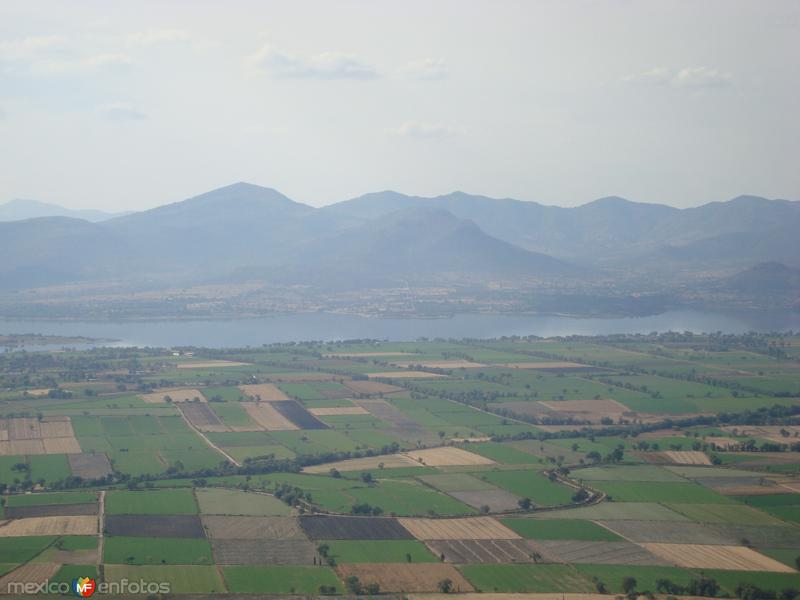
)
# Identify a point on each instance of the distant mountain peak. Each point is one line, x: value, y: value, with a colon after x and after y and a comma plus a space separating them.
x: 20, y: 209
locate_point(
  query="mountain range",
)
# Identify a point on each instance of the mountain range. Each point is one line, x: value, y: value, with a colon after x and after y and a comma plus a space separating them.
x: 19, y: 209
x: 243, y: 232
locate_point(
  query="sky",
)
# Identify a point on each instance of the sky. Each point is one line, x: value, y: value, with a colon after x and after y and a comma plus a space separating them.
x: 129, y: 105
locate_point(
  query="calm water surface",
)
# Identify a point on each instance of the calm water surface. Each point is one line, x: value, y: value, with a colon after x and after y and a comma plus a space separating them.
x: 323, y: 326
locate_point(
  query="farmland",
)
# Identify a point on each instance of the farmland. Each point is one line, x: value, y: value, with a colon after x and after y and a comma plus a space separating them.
x: 502, y: 466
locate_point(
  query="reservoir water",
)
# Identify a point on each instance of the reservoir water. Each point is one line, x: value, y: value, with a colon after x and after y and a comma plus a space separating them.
x: 220, y: 333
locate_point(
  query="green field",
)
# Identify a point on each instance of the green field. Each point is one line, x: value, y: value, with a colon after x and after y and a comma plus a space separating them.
x: 530, y: 484
x: 646, y: 576
x: 151, y: 502
x: 183, y: 579
x: 655, y: 491
x: 51, y: 498
x: 560, y: 529
x: 156, y: 551
x: 279, y: 579
x: 235, y: 502
x: 524, y: 578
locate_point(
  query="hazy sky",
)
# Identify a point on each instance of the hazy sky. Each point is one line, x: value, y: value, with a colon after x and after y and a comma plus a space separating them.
x: 128, y: 105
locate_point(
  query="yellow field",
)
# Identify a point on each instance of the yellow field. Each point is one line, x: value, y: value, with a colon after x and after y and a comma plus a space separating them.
x: 263, y: 391
x: 175, y: 394
x: 447, y: 457
x: 267, y: 417
x: 368, y: 462
x: 82, y: 525
x: 475, y: 528
x: 702, y: 556
x: 50, y: 435
x: 32, y: 572
x: 688, y: 457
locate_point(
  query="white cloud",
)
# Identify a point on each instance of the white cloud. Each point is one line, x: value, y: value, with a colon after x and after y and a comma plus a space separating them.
x: 427, y: 69
x: 327, y: 65
x: 688, y: 77
x: 121, y: 111
x: 153, y: 37
x: 55, y: 54
x: 419, y: 130
x: 654, y: 76
x: 696, y: 77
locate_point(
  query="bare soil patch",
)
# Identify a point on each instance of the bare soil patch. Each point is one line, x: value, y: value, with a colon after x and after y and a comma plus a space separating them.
x: 48, y: 435
x: 297, y: 414
x: 402, y: 426
x: 265, y: 414
x: 599, y: 553
x: 688, y: 457
x: 66, y: 525
x: 361, y: 464
x: 403, y: 577
x: 482, y: 551
x: 89, y: 466
x: 175, y: 394
x: 404, y: 375
x: 475, y: 528
x: 320, y: 527
x: 698, y: 556
x: 224, y: 527
x: 589, y: 410
x: 264, y: 392
x: 448, y: 456
x: 338, y: 410
x: 173, y: 526
x: 32, y: 572
x: 200, y: 415
x: 263, y: 552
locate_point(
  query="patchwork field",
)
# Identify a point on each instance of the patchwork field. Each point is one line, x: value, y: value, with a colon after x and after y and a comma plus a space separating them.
x: 535, y: 466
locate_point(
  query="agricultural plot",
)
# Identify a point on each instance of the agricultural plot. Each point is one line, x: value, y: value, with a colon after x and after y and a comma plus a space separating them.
x: 531, y: 484
x: 669, y: 532
x: 737, y: 558
x: 437, y: 364
x: 50, y: 435
x: 151, y: 502
x: 214, y: 501
x: 685, y: 493
x: 319, y: 527
x: 263, y: 392
x: 496, y: 500
x: 156, y: 551
x: 280, y: 579
x: 626, y: 473
x: 263, y: 552
x: 687, y: 457
x: 298, y: 415
x: 338, y: 411
x: 560, y: 529
x: 371, y: 388
x: 182, y: 579
x: 724, y: 513
x: 34, y: 572
x: 267, y: 416
x: 200, y: 415
x: 477, y: 528
x: 598, y: 553
x: 404, y: 577
x: 401, y: 426
x: 89, y: 466
x: 154, y: 526
x: 210, y: 364
x: 523, y: 578
x: 379, y: 551
x: 482, y: 551
x: 37, y: 526
x: 405, y: 375
x: 176, y: 395
x: 390, y: 461
x: 50, y: 510
x: 447, y: 457
x: 591, y: 411
x: 221, y: 527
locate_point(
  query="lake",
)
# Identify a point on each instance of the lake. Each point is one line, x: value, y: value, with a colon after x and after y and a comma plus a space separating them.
x: 221, y: 333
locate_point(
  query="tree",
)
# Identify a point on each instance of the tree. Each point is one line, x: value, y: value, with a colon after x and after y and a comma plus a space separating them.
x: 353, y: 585
x: 628, y: 584
x: 445, y: 586
x: 335, y: 473
x: 323, y: 550
x: 525, y: 504
x: 366, y: 477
